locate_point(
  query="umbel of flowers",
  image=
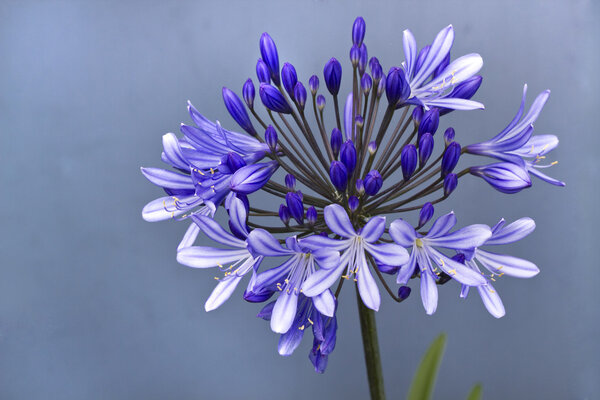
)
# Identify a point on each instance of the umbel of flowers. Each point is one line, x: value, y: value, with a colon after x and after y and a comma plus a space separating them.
x: 346, y: 188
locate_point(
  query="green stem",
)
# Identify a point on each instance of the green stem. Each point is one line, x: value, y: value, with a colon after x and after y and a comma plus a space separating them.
x: 368, y: 329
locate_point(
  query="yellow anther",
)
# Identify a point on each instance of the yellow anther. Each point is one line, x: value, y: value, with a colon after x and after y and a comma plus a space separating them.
x: 309, y: 320
x: 212, y: 171
x: 216, y: 278
x: 301, y: 328
x: 554, y: 163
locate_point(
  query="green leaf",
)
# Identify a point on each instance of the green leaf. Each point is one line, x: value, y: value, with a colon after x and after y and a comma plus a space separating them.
x: 423, y: 383
x: 476, y: 392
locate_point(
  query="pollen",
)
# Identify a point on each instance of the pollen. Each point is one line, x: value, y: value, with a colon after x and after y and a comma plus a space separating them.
x: 419, y: 242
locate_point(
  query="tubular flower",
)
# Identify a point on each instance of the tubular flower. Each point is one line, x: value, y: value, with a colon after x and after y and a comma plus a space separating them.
x: 338, y: 166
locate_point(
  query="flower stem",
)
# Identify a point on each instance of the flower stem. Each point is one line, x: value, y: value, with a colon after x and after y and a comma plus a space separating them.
x: 371, y: 346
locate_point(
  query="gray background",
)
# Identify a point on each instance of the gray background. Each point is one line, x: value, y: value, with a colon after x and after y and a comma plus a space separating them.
x: 92, y: 301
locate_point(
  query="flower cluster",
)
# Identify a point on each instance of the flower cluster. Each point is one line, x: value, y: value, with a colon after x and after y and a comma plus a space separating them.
x: 337, y: 185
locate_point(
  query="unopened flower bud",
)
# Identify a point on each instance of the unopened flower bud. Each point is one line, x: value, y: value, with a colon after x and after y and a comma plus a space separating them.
x: 505, y: 177
x: 348, y: 156
x: 362, y: 59
x: 311, y: 215
x: 408, y: 160
x: 417, y: 115
x: 300, y: 95
x: 289, y: 78
x: 425, y: 148
x: 430, y: 121
x: 295, y: 206
x: 262, y: 72
x: 333, y: 76
x: 450, y: 158
x: 354, y: 55
x: 237, y: 111
x: 251, y: 178
x: 372, y: 147
x: 373, y: 182
x: 321, y: 102
x: 338, y: 175
x: 358, y: 31
x: 450, y: 182
x: 449, y: 136
x: 313, y: 84
x: 403, y: 292
x: 233, y: 162
x: 397, y: 88
x: 271, y: 138
x: 353, y: 203
x: 268, y: 51
x: 366, y: 83
x: 425, y: 214
x: 360, y: 186
x: 290, y: 182
x: 336, y: 141
x: 284, y: 214
x: 249, y: 93
x: 273, y: 99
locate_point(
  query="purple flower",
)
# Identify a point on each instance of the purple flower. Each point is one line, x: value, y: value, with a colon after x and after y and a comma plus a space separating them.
x: 251, y: 178
x: 505, y: 177
x: 516, y: 144
x: 273, y: 99
x: 234, y: 261
x: 424, y: 252
x: 499, y: 264
x: 437, y: 92
x: 354, y: 246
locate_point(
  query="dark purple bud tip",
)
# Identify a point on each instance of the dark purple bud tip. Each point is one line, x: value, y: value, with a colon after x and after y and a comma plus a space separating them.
x: 403, y: 292
x: 336, y: 141
x: 425, y: 148
x: 262, y: 72
x: 362, y: 59
x: 271, y: 137
x: 234, y: 162
x: 353, y: 203
x: 381, y: 87
x: 313, y: 84
x: 464, y: 90
x: 366, y: 83
x: 268, y: 51
x: 397, y: 88
x: 449, y: 136
x: 290, y: 182
x: 273, y: 99
x: 425, y: 214
x: 338, y: 175
x: 348, y: 156
x: 408, y: 160
x: 300, y: 95
x: 417, y: 115
x: 311, y: 215
x: 354, y: 55
x: 358, y: 31
x: 376, y: 70
x: 450, y: 182
x: 359, y: 121
x: 450, y: 158
x: 373, y: 183
x: 249, y: 93
x: 295, y: 206
x: 284, y: 214
x: 237, y: 111
x: 360, y: 186
x: 372, y: 147
x: 321, y: 102
x: 430, y: 121
x: 289, y: 78
x: 333, y: 76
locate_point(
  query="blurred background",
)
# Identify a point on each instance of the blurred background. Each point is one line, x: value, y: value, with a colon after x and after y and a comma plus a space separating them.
x: 92, y: 301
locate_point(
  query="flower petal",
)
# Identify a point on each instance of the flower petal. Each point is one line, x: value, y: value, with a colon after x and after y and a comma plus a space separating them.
x: 373, y: 229
x: 509, y: 265
x: 463, y: 239
x: 325, y: 303
x: 456, y: 270
x: 321, y: 280
x: 222, y: 292
x: 284, y: 311
x: 338, y: 221
x: 454, y: 103
x: 403, y: 233
x: 439, y: 50
x: 456, y: 72
x: 238, y: 215
x: 410, y: 52
x: 172, y: 152
x: 348, y: 120
x: 429, y: 292
x: 442, y: 225
x: 367, y: 287
x: 190, y: 236
x: 327, y: 258
x: 213, y: 230
x: 208, y: 257
x: 267, y: 279
x: 388, y: 253
x: 407, y: 270
x: 263, y: 243
x: 168, y: 179
x: 491, y: 300
x: 512, y: 232
x: 316, y: 242
x: 163, y: 208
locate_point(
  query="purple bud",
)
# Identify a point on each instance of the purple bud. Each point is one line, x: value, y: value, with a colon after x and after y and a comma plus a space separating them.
x: 360, y: 186
x: 425, y: 148
x: 268, y: 51
x: 358, y: 31
x: 450, y: 182
x: 338, y: 175
x: 234, y: 161
x: 251, y: 178
x: 450, y: 158
x: 271, y: 137
x: 359, y: 122
x: 504, y: 176
x: 353, y: 203
x: 284, y: 214
x: 408, y: 159
x: 417, y: 115
x: 290, y: 182
x: 373, y: 182
x: 348, y: 156
x: 354, y: 55
x: 249, y: 93
x: 300, y: 95
x: 311, y: 215
x: 366, y: 83
x: 397, y: 88
x: 289, y: 78
x: 430, y: 121
x: 372, y: 147
x: 262, y: 72
x: 321, y: 102
x: 336, y: 141
x: 381, y: 87
x: 464, y: 90
x: 237, y: 111
x: 313, y: 84
x: 362, y: 59
x: 333, y: 76
x: 295, y: 206
x: 425, y: 214
x: 376, y: 70
x: 421, y: 57
x: 449, y: 136
x: 273, y: 99
x: 403, y: 292
x: 442, y: 65
x: 259, y: 296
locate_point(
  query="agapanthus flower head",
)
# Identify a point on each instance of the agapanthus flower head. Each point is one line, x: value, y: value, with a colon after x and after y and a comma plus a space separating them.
x: 343, y: 191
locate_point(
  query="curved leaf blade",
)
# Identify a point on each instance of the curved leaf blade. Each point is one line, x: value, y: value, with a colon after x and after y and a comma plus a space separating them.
x: 423, y: 382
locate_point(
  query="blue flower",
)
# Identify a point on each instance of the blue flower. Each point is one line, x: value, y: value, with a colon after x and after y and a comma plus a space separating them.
x: 499, y: 264
x: 516, y: 144
x: 354, y: 246
x: 424, y: 251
